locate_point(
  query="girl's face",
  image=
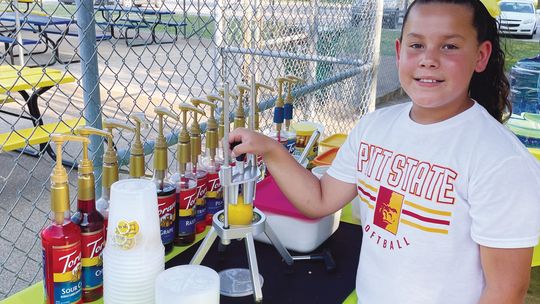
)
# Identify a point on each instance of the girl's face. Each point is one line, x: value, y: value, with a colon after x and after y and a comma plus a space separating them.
x: 436, y: 59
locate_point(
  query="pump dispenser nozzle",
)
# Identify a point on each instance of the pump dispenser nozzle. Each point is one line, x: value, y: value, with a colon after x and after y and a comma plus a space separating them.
x: 195, y: 133
x: 222, y: 115
x: 59, y: 177
x: 86, y: 168
x: 110, y: 168
x: 160, y: 148
x: 136, y: 158
x: 184, y: 139
x: 240, y: 115
x: 258, y: 86
x: 289, y: 99
x: 110, y: 159
x: 211, y: 125
x: 278, y: 109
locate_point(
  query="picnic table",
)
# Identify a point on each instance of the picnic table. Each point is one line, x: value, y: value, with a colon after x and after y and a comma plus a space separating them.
x: 46, y: 26
x: 31, y: 83
x: 136, y: 18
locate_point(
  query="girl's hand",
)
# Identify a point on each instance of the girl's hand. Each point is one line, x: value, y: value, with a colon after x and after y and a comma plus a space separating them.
x: 251, y: 142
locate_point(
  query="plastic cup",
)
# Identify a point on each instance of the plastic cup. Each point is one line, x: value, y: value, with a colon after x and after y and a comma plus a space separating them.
x: 193, y: 284
x: 133, y: 215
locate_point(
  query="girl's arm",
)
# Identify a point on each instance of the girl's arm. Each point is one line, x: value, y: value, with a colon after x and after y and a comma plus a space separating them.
x: 312, y: 197
x: 507, y: 273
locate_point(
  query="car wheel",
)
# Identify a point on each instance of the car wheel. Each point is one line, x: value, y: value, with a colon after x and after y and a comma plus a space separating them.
x: 529, y: 36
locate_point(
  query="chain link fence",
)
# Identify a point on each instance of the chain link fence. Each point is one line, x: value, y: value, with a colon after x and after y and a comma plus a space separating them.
x: 136, y: 55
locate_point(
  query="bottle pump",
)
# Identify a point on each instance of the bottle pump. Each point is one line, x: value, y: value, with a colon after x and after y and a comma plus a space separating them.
x: 110, y: 169
x: 240, y: 116
x: 166, y: 191
x: 90, y: 221
x: 213, y: 162
x: 222, y: 115
x: 288, y: 112
x: 258, y: 87
x: 281, y: 135
x: 186, y: 185
x: 61, y: 240
x: 200, y: 172
x: 136, y: 158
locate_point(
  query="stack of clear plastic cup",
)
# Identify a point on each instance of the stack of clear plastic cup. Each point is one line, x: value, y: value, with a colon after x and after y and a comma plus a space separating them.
x: 134, y: 254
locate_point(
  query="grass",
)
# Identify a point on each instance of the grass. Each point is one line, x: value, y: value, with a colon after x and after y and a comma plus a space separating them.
x: 516, y: 49
x: 533, y: 294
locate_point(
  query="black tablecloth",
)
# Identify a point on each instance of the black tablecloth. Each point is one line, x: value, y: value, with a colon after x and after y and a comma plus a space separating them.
x: 304, y: 282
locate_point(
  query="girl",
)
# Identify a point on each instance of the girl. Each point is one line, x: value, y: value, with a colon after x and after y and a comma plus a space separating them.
x: 450, y: 202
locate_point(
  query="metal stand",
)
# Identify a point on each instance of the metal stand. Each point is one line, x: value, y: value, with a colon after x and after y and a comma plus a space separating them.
x: 247, y: 233
x: 240, y: 178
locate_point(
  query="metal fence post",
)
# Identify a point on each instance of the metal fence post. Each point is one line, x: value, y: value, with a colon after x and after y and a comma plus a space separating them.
x: 90, y: 82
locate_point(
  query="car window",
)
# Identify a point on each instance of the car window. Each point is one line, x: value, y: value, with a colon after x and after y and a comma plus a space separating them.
x: 516, y: 7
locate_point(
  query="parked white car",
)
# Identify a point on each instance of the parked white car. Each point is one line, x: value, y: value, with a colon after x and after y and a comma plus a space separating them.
x: 517, y: 17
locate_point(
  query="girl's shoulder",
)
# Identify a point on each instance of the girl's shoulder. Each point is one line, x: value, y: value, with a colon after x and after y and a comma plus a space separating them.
x: 496, y: 140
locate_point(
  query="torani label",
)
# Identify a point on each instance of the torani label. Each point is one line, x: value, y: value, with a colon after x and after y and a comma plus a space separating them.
x: 92, y: 262
x: 167, y: 215
x: 66, y: 265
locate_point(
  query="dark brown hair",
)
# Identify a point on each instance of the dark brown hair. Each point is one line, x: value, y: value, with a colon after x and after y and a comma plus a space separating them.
x: 489, y: 88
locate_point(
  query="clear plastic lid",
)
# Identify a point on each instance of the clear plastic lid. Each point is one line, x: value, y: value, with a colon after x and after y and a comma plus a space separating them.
x: 236, y: 282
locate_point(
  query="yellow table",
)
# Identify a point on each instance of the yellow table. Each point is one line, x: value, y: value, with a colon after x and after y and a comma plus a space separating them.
x: 31, y: 83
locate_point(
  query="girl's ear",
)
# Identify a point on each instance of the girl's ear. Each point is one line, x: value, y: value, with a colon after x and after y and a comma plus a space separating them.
x: 484, y: 52
x: 398, y: 48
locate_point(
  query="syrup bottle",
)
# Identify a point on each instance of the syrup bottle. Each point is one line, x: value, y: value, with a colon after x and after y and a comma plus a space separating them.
x: 212, y: 163
x: 206, y: 169
x: 166, y: 191
x: 110, y: 170
x: 91, y: 223
x: 61, y: 240
x: 186, y: 185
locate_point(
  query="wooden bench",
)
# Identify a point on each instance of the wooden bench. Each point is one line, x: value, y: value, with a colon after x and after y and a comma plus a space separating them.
x: 19, y: 139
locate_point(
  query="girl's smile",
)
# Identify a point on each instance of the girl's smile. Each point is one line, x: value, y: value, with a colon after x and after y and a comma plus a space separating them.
x: 437, y: 57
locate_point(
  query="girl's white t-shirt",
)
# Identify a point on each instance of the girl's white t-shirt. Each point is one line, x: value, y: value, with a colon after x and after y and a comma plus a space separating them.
x: 429, y: 196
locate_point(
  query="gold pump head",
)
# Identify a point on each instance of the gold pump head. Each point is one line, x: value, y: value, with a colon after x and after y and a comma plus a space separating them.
x: 110, y: 160
x: 240, y: 115
x: 86, y: 166
x: 289, y: 99
x: 86, y: 179
x: 136, y: 158
x: 195, y: 131
x: 292, y: 80
x: 184, y: 148
x: 258, y: 86
x: 280, y: 81
x: 59, y: 177
x: 160, y: 147
x: 110, y: 124
x: 212, y: 141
